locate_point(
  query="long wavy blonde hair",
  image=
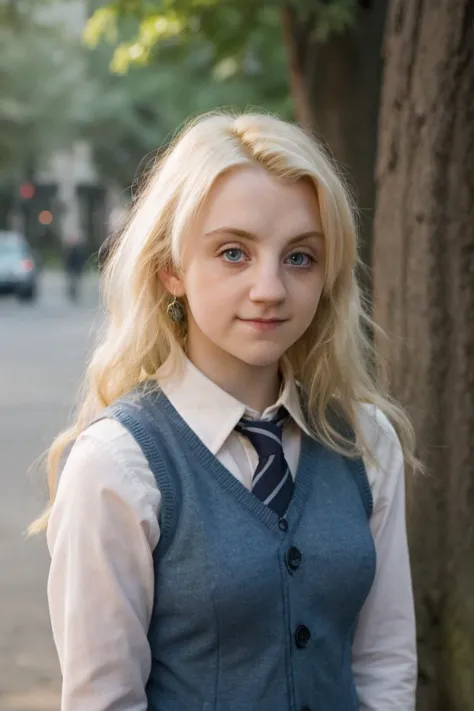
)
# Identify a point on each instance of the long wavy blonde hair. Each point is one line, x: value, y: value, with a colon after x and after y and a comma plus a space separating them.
x: 333, y: 360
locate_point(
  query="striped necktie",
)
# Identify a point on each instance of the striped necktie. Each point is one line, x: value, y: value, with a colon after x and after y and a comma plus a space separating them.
x: 272, y: 482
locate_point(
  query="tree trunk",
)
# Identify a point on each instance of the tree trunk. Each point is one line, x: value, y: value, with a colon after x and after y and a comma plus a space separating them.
x: 335, y: 88
x: 424, y: 297
x: 296, y: 77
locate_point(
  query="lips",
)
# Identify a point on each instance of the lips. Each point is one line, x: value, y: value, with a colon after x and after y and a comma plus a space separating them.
x: 264, y: 320
x: 263, y: 324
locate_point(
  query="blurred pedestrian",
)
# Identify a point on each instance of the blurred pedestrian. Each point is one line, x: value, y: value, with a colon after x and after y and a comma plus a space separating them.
x: 228, y: 531
x: 74, y: 260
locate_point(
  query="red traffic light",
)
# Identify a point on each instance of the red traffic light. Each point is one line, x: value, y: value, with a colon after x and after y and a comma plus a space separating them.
x: 27, y: 191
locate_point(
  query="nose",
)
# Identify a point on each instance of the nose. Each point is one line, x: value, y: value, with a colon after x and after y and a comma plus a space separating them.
x: 267, y: 284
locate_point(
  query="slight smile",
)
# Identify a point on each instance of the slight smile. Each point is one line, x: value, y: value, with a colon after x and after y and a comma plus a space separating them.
x: 264, y: 324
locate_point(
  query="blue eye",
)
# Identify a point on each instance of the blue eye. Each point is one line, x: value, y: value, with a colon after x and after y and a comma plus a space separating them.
x: 233, y: 254
x: 300, y: 259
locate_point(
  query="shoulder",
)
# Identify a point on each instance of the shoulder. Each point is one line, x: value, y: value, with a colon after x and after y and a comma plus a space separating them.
x: 377, y: 429
x: 384, y: 466
x: 108, y: 437
x: 108, y: 442
x: 106, y: 466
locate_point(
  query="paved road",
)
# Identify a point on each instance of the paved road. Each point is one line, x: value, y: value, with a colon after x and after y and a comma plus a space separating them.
x: 43, y: 348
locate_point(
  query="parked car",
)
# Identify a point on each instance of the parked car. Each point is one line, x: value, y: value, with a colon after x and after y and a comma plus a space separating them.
x: 19, y: 267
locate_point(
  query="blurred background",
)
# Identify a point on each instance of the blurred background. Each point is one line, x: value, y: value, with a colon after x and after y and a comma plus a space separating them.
x: 90, y: 92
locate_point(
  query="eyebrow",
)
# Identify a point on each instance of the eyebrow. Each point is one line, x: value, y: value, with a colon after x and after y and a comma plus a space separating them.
x: 250, y: 236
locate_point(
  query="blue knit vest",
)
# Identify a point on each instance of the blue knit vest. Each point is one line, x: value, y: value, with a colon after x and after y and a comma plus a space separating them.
x: 251, y: 612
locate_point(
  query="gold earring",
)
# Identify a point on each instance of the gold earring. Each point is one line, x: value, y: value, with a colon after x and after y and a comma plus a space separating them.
x: 176, y: 311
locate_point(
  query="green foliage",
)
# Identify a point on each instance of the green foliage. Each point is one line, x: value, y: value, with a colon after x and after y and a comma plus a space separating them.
x: 170, y: 59
x: 133, y: 114
x: 174, y: 58
x: 226, y: 24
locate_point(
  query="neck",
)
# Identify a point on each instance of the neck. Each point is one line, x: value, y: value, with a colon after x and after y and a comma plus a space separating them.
x: 258, y: 387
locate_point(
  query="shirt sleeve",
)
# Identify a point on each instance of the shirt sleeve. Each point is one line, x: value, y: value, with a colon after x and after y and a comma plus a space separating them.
x: 101, y: 536
x: 384, y: 650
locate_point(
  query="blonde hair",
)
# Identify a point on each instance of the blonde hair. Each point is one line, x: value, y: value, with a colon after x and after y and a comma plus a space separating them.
x: 333, y: 360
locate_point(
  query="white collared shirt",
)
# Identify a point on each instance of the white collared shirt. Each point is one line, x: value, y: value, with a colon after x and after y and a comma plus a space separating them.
x: 104, y: 528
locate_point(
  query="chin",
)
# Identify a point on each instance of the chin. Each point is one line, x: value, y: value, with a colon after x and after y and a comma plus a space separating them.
x: 261, y: 359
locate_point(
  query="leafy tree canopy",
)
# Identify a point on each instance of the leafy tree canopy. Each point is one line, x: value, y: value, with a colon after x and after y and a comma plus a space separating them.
x: 228, y: 25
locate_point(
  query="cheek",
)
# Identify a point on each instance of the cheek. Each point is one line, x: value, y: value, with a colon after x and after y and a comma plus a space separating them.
x: 207, y: 292
x: 306, y: 304
x: 307, y: 293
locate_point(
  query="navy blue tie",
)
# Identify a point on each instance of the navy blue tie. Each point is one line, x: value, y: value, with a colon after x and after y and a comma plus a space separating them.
x: 272, y: 481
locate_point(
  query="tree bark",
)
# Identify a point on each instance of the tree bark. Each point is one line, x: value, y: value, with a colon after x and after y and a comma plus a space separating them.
x: 335, y: 88
x: 296, y: 77
x: 424, y: 297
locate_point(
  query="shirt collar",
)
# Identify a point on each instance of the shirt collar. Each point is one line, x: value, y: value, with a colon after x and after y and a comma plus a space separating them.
x: 289, y: 399
x: 213, y: 414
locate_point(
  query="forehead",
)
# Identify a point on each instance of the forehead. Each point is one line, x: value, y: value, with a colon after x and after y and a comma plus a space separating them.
x: 248, y: 197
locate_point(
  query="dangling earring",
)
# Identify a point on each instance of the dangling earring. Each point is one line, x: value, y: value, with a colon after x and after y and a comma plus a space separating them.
x: 176, y: 311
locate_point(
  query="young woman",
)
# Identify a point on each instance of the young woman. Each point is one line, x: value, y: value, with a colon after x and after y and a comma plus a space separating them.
x: 228, y: 530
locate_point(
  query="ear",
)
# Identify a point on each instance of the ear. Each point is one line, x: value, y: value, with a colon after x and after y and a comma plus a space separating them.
x: 171, y: 282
